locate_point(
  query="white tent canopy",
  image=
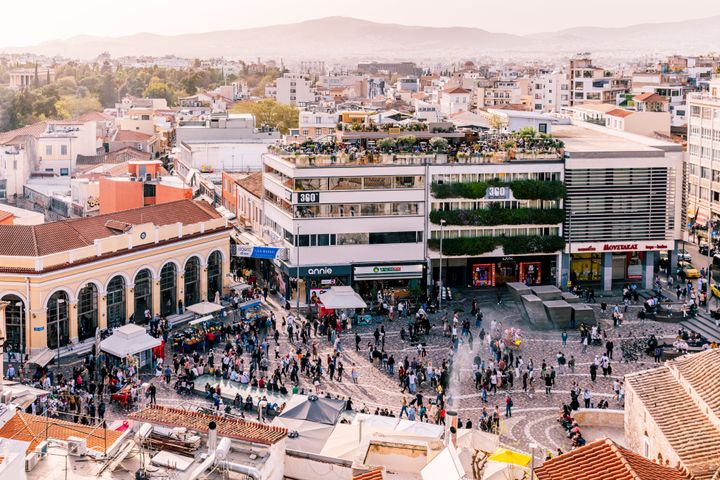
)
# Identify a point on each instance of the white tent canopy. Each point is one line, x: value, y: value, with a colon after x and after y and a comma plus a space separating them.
x: 204, y: 308
x: 342, y: 297
x: 128, y: 340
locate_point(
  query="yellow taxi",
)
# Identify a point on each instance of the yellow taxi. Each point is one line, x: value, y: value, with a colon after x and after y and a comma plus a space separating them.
x: 715, y: 289
x: 692, y: 272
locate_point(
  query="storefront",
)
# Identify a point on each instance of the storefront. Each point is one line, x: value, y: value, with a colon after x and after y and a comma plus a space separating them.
x: 493, y: 271
x: 404, y: 280
x: 313, y: 280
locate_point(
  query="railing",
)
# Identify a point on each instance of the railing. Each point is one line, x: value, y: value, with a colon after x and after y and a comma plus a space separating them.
x: 703, y: 97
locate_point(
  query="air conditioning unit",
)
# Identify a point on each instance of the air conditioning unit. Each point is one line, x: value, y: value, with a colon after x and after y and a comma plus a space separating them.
x: 132, y: 179
x: 77, y: 447
x: 42, y: 449
x: 31, y: 460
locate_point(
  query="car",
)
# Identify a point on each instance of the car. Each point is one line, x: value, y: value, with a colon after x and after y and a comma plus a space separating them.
x: 715, y: 290
x: 703, y: 249
x: 691, y: 272
x: 684, y: 255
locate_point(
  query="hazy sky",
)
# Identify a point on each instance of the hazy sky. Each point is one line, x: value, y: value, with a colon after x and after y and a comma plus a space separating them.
x: 27, y: 22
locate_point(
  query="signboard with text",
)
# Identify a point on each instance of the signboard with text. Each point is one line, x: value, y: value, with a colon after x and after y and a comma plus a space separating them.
x: 308, y: 197
x: 251, y: 251
x: 605, y: 247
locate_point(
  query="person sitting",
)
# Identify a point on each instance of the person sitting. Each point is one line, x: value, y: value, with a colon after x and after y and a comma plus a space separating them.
x: 249, y: 403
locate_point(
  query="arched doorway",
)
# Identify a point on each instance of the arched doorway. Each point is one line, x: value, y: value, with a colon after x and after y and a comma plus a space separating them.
x: 87, y: 311
x: 192, y: 281
x: 143, y: 294
x: 58, y: 321
x: 116, y: 302
x: 214, y: 275
x: 15, y: 324
x: 168, y: 290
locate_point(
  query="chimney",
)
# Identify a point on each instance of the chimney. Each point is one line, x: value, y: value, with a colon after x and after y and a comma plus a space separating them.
x: 212, y: 437
x: 451, y: 426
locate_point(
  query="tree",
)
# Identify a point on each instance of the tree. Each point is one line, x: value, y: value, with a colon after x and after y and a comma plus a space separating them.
x: 159, y: 89
x: 439, y: 144
x: 108, y: 91
x: 72, y: 106
x: 497, y: 123
x: 270, y: 113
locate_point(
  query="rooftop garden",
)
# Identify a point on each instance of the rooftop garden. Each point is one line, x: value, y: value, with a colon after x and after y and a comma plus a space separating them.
x: 495, y: 215
x: 522, y: 189
x: 520, y: 143
x: 511, y: 245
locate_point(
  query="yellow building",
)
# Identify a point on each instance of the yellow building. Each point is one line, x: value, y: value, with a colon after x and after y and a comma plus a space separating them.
x: 71, y: 276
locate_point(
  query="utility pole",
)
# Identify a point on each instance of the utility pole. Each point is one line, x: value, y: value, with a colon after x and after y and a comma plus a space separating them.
x: 297, y: 271
x: 442, y: 224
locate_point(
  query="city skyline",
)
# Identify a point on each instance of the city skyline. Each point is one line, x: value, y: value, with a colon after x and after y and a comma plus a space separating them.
x: 59, y: 22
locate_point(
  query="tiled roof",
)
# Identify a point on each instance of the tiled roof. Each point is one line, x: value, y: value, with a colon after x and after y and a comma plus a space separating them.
x: 687, y: 428
x: 604, y: 460
x: 95, y: 117
x: 54, y: 237
x: 131, y: 136
x: 649, y: 97
x: 117, y: 156
x: 226, y: 427
x: 35, y: 429
x: 694, y: 370
x: 33, y: 130
x: 252, y: 183
x: 619, y: 112
x: 375, y: 474
x: 5, y: 215
x: 452, y: 90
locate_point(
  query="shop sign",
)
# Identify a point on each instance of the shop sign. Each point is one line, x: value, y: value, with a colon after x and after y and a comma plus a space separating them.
x: 621, y: 247
x: 38, y: 329
x: 308, y: 197
x: 251, y: 251
x: 324, y: 271
x: 388, y: 269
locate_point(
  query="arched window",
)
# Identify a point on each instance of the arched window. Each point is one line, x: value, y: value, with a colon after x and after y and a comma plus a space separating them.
x: 58, y: 325
x: 168, y: 290
x: 87, y: 311
x: 192, y: 281
x: 143, y: 294
x: 214, y: 275
x: 116, y: 302
x: 15, y: 323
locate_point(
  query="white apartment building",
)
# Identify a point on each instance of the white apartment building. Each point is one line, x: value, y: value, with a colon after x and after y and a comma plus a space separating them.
x: 590, y: 84
x: 317, y: 125
x: 551, y: 92
x: 427, y: 111
x: 495, y: 93
x: 673, y: 88
x: 454, y: 100
x: 327, y: 210
x: 294, y: 89
x: 703, y: 158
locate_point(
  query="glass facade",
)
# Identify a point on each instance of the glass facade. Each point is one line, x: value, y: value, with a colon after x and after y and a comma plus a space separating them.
x: 168, y: 290
x: 143, y: 294
x: 116, y: 302
x: 214, y: 275
x: 15, y: 323
x: 192, y: 281
x: 58, y: 331
x: 87, y: 311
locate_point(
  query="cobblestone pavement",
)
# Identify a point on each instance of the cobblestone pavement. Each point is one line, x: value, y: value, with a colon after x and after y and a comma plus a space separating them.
x: 533, y: 420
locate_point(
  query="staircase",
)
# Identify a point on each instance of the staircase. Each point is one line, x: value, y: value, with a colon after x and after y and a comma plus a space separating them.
x: 704, y: 325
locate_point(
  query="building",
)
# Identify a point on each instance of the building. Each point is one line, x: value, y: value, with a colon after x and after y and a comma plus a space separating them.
x: 317, y: 125
x: 242, y: 195
x: 22, y: 78
x: 623, y: 204
x: 647, y: 120
x: 426, y: 111
x: 703, y: 177
x: 295, y: 89
x: 327, y: 212
x: 454, y: 100
x: 63, y: 279
x: 551, y: 92
x: 672, y: 414
x: 503, y: 92
x: 148, y: 143
x: 398, y: 68
x: 10, y: 215
x: 591, y: 84
x: 673, y: 87
x: 604, y: 459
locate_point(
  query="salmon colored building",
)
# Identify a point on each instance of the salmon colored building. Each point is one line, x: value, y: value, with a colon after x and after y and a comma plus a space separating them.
x: 144, y: 184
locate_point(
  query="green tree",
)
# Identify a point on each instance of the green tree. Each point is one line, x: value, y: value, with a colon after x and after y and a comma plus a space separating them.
x: 108, y: 91
x: 72, y: 106
x: 271, y: 113
x: 159, y: 89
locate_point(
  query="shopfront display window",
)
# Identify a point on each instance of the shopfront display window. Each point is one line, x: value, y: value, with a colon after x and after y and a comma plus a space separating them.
x: 586, y: 267
x: 506, y: 271
x: 530, y: 273
x: 483, y: 275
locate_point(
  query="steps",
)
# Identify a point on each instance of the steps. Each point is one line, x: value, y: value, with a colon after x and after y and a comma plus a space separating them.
x: 703, y: 325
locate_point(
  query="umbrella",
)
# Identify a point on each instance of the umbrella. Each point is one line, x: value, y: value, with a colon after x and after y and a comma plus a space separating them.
x: 502, y: 471
x: 504, y: 455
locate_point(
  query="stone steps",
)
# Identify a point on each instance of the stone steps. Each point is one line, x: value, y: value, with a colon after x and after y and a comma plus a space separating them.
x: 704, y: 325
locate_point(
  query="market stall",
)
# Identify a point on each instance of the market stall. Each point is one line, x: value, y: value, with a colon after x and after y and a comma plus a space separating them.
x: 341, y: 298
x: 253, y: 311
x: 200, y: 334
x: 130, y: 341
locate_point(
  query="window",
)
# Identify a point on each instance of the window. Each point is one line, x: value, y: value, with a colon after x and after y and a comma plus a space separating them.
x: 380, y: 183
x: 48, y: 149
x: 345, y: 183
x: 392, y: 237
x: 63, y: 150
x: 705, y: 172
x: 116, y: 302
x: 64, y: 172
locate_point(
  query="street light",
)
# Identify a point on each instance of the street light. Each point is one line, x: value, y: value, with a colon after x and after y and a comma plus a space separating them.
x: 57, y: 327
x: 297, y: 271
x: 442, y: 224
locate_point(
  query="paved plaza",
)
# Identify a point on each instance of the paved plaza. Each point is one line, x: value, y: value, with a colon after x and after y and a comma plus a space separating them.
x: 533, y: 420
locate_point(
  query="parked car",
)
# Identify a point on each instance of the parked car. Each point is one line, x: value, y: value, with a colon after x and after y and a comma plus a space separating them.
x: 715, y: 290
x: 691, y: 272
x: 684, y: 255
x: 703, y: 249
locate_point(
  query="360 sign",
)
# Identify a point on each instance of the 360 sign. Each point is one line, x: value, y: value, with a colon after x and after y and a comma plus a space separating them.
x: 308, y: 197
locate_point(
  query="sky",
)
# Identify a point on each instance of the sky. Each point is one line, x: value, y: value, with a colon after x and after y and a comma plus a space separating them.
x: 52, y: 19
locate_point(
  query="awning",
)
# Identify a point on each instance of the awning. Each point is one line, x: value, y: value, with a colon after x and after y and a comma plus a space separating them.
x: 702, y: 216
x: 239, y: 286
x: 387, y: 272
x: 129, y: 340
x: 504, y: 455
x: 204, y: 308
x: 342, y: 297
x: 201, y: 319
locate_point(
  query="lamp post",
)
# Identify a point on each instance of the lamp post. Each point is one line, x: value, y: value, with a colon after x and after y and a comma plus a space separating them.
x: 59, y: 302
x: 711, y: 230
x: 440, y: 281
x: 533, y: 446
x: 297, y: 271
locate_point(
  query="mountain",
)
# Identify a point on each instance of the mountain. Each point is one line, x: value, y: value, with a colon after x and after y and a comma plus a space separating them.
x: 350, y: 39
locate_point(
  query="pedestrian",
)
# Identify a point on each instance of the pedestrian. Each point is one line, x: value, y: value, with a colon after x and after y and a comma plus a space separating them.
x: 586, y: 398
x: 548, y: 384
x: 564, y: 337
x: 584, y: 344
x: 354, y: 374
x: 593, y: 371
x: 609, y: 346
x: 168, y: 374
x: 571, y: 364
x: 508, y: 406
x: 152, y: 390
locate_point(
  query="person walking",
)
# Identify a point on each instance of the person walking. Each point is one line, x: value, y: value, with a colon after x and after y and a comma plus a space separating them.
x: 152, y: 390
x: 586, y: 398
x: 564, y: 337
x: 548, y: 384
x: 508, y: 406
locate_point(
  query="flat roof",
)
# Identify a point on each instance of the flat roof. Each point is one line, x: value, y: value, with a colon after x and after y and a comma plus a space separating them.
x: 586, y: 140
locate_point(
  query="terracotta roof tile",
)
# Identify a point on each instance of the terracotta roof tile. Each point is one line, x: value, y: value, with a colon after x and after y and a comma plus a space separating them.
x: 54, y: 237
x: 604, y: 460
x: 32, y: 428
x: 452, y: 90
x: 252, y: 183
x: 375, y: 474
x: 5, y: 215
x: 694, y: 370
x: 33, y: 130
x: 233, y: 428
x: 619, y: 112
x: 95, y: 117
x: 131, y: 136
x: 649, y: 97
